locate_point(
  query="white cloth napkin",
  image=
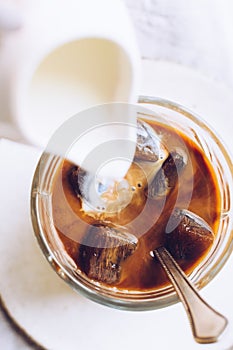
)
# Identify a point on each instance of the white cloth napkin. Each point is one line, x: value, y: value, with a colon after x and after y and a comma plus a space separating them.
x: 17, y: 164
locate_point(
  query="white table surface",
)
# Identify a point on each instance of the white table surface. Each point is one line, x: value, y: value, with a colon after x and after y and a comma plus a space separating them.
x: 177, y: 31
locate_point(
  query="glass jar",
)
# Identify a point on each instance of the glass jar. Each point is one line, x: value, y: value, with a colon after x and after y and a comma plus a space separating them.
x: 42, y: 218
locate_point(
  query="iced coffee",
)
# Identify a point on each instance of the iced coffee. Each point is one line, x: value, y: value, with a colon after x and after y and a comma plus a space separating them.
x: 169, y: 197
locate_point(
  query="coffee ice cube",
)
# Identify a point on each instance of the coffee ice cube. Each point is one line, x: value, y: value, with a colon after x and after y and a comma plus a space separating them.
x: 167, y: 177
x: 149, y: 146
x: 190, y: 238
x: 103, y: 250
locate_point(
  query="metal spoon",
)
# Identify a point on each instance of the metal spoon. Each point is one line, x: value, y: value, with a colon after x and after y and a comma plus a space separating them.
x: 105, y: 247
x: 207, y: 324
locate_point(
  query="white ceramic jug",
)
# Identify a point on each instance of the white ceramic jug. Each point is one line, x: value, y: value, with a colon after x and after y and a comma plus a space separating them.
x: 65, y: 57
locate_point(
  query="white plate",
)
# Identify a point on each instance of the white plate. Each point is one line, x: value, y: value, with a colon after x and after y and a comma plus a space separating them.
x: 43, y: 305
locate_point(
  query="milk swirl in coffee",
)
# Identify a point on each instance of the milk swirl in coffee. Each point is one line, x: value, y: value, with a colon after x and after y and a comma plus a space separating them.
x: 170, y: 196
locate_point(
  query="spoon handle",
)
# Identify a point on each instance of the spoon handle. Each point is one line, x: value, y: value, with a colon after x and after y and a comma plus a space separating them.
x: 207, y: 324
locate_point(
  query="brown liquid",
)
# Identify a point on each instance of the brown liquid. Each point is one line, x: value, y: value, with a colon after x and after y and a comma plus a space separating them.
x: 140, y: 271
